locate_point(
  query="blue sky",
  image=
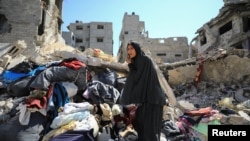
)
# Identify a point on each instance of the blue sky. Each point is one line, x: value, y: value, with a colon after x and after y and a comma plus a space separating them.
x: 163, y: 18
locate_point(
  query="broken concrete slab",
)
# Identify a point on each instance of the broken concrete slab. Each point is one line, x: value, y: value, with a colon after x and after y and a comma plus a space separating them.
x: 230, y: 69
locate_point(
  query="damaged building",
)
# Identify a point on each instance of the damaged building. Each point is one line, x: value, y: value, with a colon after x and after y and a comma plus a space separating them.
x: 226, y: 34
x: 230, y: 28
x: 37, y: 22
x: 162, y: 50
x: 208, y: 77
x: 90, y: 35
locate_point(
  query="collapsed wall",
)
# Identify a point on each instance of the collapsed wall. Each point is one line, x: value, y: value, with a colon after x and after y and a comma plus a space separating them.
x: 37, y: 22
x: 230, y: 69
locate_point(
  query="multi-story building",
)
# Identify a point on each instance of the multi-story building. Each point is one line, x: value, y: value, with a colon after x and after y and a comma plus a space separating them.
x: 90, y: 35
x: 230, y: 28
x: 37, y: 22
x: 160, y: 49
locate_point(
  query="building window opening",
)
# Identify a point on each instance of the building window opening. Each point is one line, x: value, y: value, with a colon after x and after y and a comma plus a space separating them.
x: 246, y: 24
x: 59, y: 23
x: 203, y: 39
x: 100, y: 27
x: 178, y: 55
x: 13, y: 50
x: 228, y: 26
x: 41, y: 26
x: 78, y: 40
x: 4, y: 26
x: 79, y: 27
x: 245, y: 44
x: 99, y: 39
x: 161, y: 54
x: 238, y: 46
x: 126, y: 32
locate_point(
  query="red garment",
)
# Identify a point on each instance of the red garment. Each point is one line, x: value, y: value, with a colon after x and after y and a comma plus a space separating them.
x: 129, y: 115
x: 202, y: 111
x: 74, y: 64
x: 37, y: 103
x: 198, y: 75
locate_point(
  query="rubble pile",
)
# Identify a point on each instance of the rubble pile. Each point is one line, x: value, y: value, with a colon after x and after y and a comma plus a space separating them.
x: 224, y: 76
x: 217, y: 96
x: 203, y: 101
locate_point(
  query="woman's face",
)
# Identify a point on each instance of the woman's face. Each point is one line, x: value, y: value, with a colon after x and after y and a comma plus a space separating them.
x: 131, y: 51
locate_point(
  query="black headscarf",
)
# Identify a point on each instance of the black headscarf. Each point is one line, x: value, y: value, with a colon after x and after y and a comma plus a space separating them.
x: 142, y: 84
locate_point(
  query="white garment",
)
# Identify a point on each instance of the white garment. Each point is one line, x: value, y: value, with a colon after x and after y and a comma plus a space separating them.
x: 25, y: 113
x: 61, y: 120
x: 76, y: 107
x: 87, y: 124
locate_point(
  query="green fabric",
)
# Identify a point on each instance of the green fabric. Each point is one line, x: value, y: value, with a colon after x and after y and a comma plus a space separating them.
x: 203, y: 127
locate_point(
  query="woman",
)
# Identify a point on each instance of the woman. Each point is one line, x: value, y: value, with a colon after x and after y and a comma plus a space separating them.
x: 143, y: 89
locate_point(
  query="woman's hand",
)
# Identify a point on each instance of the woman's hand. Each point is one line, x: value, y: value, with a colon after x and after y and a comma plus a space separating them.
x: 128, y: 60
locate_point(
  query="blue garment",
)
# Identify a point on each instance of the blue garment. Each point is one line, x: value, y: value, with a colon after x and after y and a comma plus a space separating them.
x: 10, y: 76
x: 59, y: 97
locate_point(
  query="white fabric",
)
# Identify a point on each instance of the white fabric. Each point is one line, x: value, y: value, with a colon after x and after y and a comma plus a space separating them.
x: 87, y: 124
x: 76, y: 107
x: 71, y: 88
x: 65, y: 119
x: 116, y: 110
x: 25, y: 113
x: 24, y: 116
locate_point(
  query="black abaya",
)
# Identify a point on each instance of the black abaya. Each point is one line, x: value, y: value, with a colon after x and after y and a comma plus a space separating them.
x: 142, y: 87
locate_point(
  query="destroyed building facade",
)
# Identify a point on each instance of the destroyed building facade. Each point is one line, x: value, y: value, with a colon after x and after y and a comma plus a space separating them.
x: 162, y: 50
x: 37, y: 22
x: 230, y: 28
x: 226, y: 36
x: 90, y: 35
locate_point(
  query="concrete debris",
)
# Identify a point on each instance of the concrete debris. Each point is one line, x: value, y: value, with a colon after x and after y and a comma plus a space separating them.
x: 214, y: 82
x: 234, y: 120
x: 216, y: 70
x: 242, y: 95
x: 244, y: 115
x: 208, y: 92
x: 222, y: 86
x: 11, y: 52
x: 246, y: 104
